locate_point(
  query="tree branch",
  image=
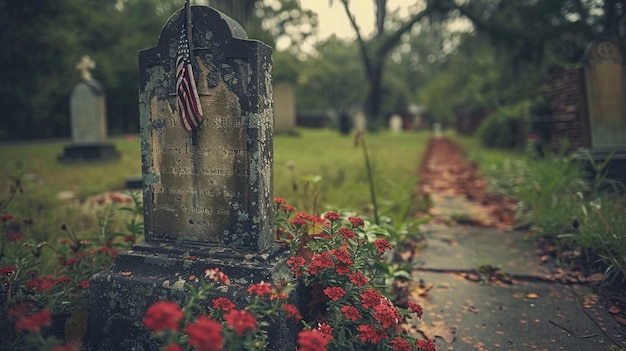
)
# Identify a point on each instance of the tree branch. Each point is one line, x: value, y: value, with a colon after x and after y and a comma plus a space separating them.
x: 361, y: 42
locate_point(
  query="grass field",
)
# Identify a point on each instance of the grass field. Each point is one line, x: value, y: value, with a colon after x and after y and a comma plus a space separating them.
x: 330, y: 164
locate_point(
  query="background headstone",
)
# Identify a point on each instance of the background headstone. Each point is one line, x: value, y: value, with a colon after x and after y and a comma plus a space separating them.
x: 359, y: 121
x: 88, y: 120
x: 284, y: 108
x: 606, y: 94
x: 395, y: 124
x: 207, y: 193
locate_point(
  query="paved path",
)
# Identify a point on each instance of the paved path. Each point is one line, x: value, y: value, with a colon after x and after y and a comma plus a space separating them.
x: 514, y: 302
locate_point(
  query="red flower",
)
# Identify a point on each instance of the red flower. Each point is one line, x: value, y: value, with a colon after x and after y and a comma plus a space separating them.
x: 163, y: 315
x: 319, y: 262
x: 15, y: 237
x: 296, y: 262
x: 84, y: 284
x: 40, y: 284
x: 351, y: 313
x: 386, y: 315
x: 70, y: 346
x: 334, y: 292
x: 7, y: 270
x: 34, y: 321
x: 287, y: 208
x: 346, y: 233
x: 342, y: 269
x: 280, y: 201
x: 5, y: 218
x: 358, y: 279
x: 382, y: 245
x: 332, y: 216
x: 416, y: 308
x: 205, y: 334
x: 401, y: 344
x: 426, y: 345
x: 260, y: 289
x: 368, y: 333
x: 356, y: 222
x: 326, y: 331
x: 240, y: 321
x: 292, y: 311
x: 217, y: 276
x: 342, y: 255
x: 223, y: 303
x: 311, y: 340
x: 173, y: 347
x: 129, y: 238
x: 371, y: 298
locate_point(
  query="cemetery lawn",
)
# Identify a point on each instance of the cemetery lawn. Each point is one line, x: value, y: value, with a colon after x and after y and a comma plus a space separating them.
x: 330, y: 163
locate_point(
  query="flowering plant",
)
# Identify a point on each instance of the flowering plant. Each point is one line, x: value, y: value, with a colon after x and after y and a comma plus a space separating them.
x: 336, y: 257
x: 333, y: 256
x: 219, y: 324
x: 33, y: 291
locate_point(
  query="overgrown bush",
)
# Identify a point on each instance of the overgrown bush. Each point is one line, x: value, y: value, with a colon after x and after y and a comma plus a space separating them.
x: 502, y: 128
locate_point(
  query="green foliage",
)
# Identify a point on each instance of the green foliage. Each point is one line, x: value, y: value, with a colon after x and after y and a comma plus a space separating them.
x: 344, y: 182
x: 502, y: 128
x: 559, y: 203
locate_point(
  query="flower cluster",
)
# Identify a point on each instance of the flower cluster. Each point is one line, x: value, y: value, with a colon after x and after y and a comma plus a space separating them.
x: 335, y: 256
x: 220, y: 324
x: 33, y: 290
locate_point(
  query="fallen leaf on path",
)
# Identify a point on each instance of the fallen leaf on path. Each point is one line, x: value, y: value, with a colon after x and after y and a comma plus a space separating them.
x: 440, y: 329
x: 531, y: 295
x: 420, y: 289
x: 473, y: 277
x: 595, y: 278
x: 620, y: 320
x: 614, y: 309
x: 126, y: 274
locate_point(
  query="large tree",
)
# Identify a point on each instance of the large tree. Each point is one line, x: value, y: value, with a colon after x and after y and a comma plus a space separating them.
x: 374, y: 51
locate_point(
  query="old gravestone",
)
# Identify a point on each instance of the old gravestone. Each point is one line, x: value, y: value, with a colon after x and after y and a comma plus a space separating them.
x: 284, y: 108
x: 88, y: 120
x: 395, y: 124
x: 207, y: 193
x: 605, y: 81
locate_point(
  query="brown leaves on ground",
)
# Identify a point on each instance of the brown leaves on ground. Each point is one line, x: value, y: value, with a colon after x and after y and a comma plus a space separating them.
x: 444, y: 171
x: 437, y: 329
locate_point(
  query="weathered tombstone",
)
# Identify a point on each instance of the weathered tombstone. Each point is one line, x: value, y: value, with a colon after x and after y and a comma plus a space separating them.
x: 359, y: 121
x: 437, y: 130
x: 284, y: 108
x: 207, y: 192
x: 88, y: 120
x: 395, y: 124
x: 605, y: 82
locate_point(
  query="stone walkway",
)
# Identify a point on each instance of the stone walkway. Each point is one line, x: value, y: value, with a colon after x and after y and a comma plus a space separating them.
x: 485, y: 287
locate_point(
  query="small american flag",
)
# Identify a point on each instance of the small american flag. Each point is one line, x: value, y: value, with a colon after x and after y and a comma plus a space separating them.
x: 188, y: 101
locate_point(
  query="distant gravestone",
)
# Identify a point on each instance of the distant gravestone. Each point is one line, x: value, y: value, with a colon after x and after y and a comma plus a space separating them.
x: 207, y: 192
x: 606, y: 94
x: 88, y: 120
x: 395, y: 124
x: 284, y: 108
x: 605, y: 82
x: 359, y: 121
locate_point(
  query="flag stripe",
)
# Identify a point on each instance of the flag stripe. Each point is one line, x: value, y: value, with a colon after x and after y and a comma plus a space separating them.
x: 188, y: 101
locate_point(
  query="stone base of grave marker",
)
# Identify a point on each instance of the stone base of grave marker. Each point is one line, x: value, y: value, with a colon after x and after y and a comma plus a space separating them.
x: 148, y: 273
x: 616, y: 168
x: 88, y: 152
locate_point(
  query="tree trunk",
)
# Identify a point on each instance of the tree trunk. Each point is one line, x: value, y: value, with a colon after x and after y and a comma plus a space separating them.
x: 374, y: 95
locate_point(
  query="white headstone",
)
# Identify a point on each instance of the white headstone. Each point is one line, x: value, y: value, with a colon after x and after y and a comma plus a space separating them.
x: 395, y: 124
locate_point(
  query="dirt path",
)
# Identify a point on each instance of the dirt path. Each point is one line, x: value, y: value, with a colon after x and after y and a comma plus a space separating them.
x: 482, y: 285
